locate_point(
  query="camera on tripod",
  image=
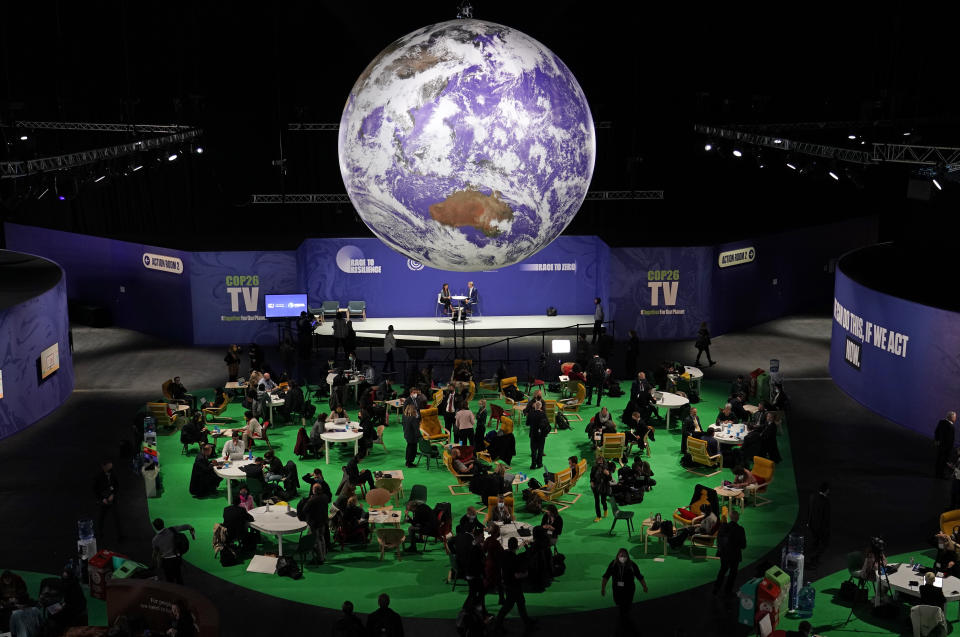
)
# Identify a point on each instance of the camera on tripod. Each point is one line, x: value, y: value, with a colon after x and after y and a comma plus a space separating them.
x: 877, y: 546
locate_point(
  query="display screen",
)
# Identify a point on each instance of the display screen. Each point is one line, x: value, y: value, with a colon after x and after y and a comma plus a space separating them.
x: 283, y: 305
x: 49, y: 360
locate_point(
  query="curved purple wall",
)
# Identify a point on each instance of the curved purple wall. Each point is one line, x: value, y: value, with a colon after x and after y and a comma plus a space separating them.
x: 898, y: 358
x: 26, y: 330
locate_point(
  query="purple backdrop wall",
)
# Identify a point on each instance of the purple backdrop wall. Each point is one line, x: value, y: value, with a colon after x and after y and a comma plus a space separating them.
x: 898, y: 358
x: 26, y: 330
x: 567, y: 274
x: 112, y: 274
x: 663, y: 293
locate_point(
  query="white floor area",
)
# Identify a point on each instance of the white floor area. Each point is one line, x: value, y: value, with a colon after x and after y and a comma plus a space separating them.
x: 431, y: 328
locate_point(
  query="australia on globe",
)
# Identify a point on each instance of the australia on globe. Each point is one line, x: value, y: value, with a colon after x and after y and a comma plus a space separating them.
x: 467, y: 145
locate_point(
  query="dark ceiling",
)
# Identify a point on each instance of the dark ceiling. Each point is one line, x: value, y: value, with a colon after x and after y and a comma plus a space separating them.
x: 243, y: 71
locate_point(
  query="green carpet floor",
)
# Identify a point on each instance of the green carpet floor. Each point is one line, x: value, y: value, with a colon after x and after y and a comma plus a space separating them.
x: 830, y: 614
x: 416, y: 584
x: 96, y: 608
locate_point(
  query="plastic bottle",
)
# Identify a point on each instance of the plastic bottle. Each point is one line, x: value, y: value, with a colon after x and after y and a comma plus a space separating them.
x: 250, y: 457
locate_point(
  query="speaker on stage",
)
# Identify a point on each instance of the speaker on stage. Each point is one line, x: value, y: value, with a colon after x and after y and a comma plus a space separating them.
x: 551, y: 311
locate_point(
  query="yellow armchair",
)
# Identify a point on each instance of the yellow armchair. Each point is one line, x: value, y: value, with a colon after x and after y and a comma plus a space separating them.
x: 948, y: 520
x: 430, y: 427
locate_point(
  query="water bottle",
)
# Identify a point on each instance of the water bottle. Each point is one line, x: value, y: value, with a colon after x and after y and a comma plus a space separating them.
x: 250, y: 457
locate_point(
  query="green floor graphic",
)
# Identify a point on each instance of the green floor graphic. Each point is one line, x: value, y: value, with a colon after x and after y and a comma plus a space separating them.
x: 416, y: 584
x: 832, y: 616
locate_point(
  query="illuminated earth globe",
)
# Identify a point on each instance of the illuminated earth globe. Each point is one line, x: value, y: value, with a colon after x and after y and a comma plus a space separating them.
x: 467, y: 145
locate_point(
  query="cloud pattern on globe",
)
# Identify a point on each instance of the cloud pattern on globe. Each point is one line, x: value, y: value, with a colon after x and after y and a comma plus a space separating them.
x: 467, y: 145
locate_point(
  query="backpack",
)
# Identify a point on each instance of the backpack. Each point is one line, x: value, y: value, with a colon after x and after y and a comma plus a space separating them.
x: 561, y: 421
x: 309, y: 410
x: 558, y: 565
x: 287, y: 567
x: 229, y: 556
x: 180, y: 543
x: 532, y: 503
x: 554, y: 387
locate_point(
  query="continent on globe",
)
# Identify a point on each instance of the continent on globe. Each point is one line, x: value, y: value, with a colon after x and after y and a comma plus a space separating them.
x: 466, y: 145
x: 473, y: 208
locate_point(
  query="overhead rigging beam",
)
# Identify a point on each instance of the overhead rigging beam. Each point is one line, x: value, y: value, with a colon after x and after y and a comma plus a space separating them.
x: 779, y: 143
x: 318, y: 198
x: 335, y: 126
x: 97, y: 126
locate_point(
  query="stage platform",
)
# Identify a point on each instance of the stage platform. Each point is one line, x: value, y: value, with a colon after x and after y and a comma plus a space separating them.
x: 430, y: 329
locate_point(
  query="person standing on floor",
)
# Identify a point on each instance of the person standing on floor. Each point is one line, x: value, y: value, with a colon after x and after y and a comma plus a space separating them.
x: 539, y: 429
x: 232, y: 359
x: 731, y: 540
x: 624, y: 573
x: 597, y: 320
x: 633, y: 352
x: 703, y: 344
x: 943, y: 438
x: 464, y: 421
x: 818, y: 523
x: 596, y: 375
x: 600, y: 484
x: 339, y: 335
x: 384, y: 622
x: 389, y: 345
x: 106, y: 489
x: 514, y: 572
x: 164, y: 543
x: 411, y: 431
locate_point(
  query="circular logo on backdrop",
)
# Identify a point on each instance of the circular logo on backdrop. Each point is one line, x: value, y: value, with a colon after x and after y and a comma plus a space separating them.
x: 751, y: 254
x: 146, y: 259
x: 348, y: 258
x: 416, y: 266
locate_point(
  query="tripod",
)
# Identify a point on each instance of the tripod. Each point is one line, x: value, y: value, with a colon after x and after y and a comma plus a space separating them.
x: 882, y: 578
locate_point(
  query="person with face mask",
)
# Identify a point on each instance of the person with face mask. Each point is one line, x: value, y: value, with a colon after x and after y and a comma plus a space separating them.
x: 469, y: 522
x: 623, y: 571
x: 500, y: 512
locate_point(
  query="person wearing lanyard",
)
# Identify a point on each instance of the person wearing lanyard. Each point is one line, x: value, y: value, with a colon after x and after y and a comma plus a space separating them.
x: 623, y: 571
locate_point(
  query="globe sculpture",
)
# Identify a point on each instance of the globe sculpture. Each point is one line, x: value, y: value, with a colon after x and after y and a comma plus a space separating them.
x: 467, y: 145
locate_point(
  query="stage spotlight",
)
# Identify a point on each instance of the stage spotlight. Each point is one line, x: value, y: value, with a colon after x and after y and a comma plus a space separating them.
x: 61, y: 198
x: 851, y: 136
x: 136, y: 168
x: 199, y: 150
x: 937, y: 184
x: 43, y: 194
x: 833, y: 175
x: 791, y: 166
x: 737, y: 153
x: 99, y: 179
x: 173, y: 156
x: 907, y: 134
x: 778, y: 141
x: 23, y: 138
x: 708, y: 147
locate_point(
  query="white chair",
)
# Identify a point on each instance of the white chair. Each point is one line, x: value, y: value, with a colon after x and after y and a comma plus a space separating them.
x: 928, y: 621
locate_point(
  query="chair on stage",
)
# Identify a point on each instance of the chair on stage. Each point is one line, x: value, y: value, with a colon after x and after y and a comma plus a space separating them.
x: 330, y: 308
x: 357, y: 308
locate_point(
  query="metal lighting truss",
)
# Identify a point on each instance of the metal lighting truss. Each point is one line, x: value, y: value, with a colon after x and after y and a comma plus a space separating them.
x: 911, y: 154
x: 333, y: 126
x: 98, y: 126
x: 14, y: 169
x: 593, y: 195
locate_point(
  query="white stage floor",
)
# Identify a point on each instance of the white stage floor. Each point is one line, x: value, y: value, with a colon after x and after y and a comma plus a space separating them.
x: 430, y: 328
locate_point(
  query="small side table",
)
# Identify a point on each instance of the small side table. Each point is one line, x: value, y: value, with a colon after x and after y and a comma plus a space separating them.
x: 733, y: 496
x: 648, y: 533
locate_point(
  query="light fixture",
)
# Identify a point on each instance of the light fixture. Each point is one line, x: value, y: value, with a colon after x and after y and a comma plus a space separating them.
x: 862, y: 142
x: 99, y: 179
x: 907, y: 134
x: 61, y: 197
x: 173, y: 157
x: 937, y: 184
x: 43, y: 194
x: 737, y: 153
x: 23, y: 138
x: 200, y: 150
x: 137, y: 167
x: 708, y: 147
x: 778, y: 141
x: 791, y: 166
x: 851, y: 136
x: 833, y: 175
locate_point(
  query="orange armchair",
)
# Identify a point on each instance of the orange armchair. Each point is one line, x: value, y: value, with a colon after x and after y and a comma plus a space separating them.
x: 430, y: 427
x: 763, y: 472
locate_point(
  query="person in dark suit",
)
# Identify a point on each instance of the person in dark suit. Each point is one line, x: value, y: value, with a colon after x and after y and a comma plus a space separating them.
x: 472, y: 298
x: 943, y: 438
x: 204, y: 480
x: 818, y: 523
x: 739, y: 386
x: 713, y: 445
x: 930, y: 594
x: 384, y: 622
x: 596, y: 374
x: 731, y: 540
x: 539, y: 428
x: 691, y: 427
x: 423, y: 521
x: 513, y: 574
x: 633, y: 351
x: 597, y: 320
x: 703, y: 344
x: 106, y: 489
x: 236, y: 519
x: 640, y: 389
x: 355, y: 475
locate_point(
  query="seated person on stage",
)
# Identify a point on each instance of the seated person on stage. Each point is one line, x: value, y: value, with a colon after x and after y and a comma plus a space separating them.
x: 236, y: 519
x: 472, y: 297
x: 742, y: 477
x: 469, y: 522
x: 233, y: 447
x: 445, y: 299
x: 355, y: 475
x: 317, y: 478
x: 703, y: 524
x: 266, y: 384
x: 726, y: 416
x: 252, y: 431
x: 273, y: 471
x: 930, y: 594
x: 468, y: 467
x: 423, y: 522
x: 737, y: 403
x: 204, y: 480
x: 500, y: 512
x: 194, y: 430
x: 713, y: 445
x: 739, y: 386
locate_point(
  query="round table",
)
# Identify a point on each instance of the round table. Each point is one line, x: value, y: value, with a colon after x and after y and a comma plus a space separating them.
x: 732, y: 435
x: 519, y: 480
x: 696, y: 375
x: 512, y: 529
x: 277, y: 521
x: 670, y: 402
x: 353, y: 382
x: 340, y: 436
x: 231, y: 473
x: 330, y: 426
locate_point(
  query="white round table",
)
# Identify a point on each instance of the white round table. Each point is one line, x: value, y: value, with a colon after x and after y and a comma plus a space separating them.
x: 232, y: 473
x: 512, y: 529
x: 353, y: 382
x: 276, y: 522
x: 732, y: 435
x: 696, y: 375
x: 330, y: 426
x: 906, y: 581
x: 670, y: 402
x: 340, y: 436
